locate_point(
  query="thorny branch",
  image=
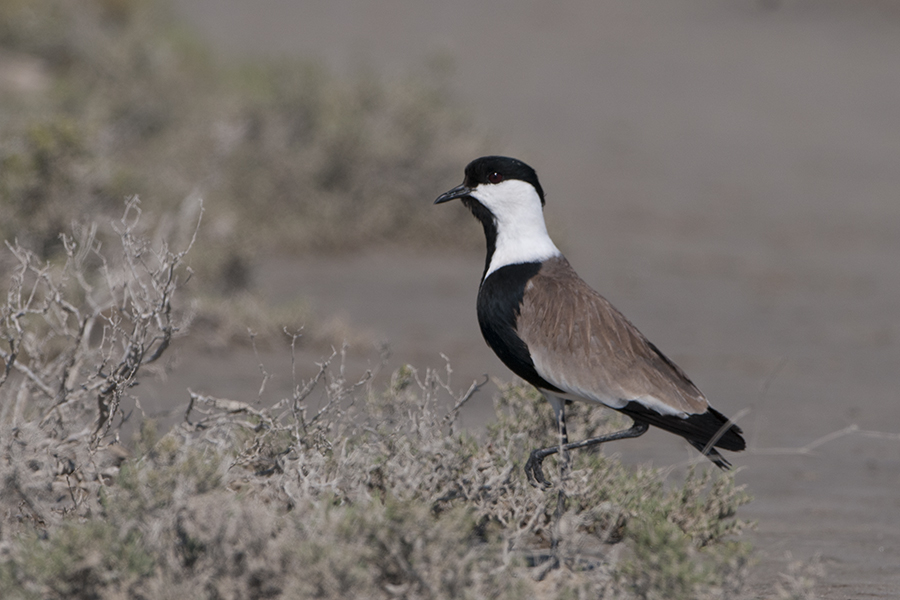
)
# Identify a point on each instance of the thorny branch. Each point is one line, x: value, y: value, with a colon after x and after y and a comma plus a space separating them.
x: 112, y: 311
x: 808, y: 449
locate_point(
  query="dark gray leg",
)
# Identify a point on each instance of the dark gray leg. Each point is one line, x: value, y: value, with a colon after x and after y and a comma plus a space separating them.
x: 563, y: 440
x: 533, y: 467
x: 563, y: 461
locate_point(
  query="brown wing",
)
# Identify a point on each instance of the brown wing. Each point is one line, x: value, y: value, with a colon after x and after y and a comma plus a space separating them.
x: 580, y: 343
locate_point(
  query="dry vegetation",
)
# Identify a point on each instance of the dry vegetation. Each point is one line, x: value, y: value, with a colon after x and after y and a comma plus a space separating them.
x: 103, y: 99
x: 338, y: 490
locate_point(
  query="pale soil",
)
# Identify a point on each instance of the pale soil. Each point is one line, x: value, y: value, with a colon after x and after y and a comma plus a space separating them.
x: 726, y: 173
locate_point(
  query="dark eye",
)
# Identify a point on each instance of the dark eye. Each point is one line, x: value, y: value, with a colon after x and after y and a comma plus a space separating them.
x: 495, y: 177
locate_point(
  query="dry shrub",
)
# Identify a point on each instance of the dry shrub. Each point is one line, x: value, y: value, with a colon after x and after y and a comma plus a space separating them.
x: 798, y: 582
x: 126, y: 101
x: 295, y: 157
x: 337, y: 490
x: 75, y: 338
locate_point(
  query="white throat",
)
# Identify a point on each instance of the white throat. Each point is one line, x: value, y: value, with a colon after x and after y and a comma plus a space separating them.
x: 521, y: 232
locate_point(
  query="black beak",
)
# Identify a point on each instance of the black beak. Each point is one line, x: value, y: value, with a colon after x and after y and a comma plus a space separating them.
x: 457, y: 192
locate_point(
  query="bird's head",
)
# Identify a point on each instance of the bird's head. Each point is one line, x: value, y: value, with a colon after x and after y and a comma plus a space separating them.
x: 501, y: 184
x: 506, y: 196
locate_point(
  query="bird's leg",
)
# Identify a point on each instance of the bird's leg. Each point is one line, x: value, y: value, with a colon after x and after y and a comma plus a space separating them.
x: 563, y: 456
x: 559, y: 407
x: 559, y: 410
x: 533, y: 467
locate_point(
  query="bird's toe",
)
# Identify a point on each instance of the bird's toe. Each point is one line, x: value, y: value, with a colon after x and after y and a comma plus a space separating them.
x: 535, y: 472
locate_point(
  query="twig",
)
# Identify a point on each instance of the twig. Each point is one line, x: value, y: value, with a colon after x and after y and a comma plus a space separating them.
x: 29, y: 374
x: 465, y: 397
x: 808, y: 449
x: 227, y: 406
x: 262, y: 368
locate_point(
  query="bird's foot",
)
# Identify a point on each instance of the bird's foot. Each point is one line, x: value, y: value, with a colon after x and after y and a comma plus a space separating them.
x: 534, y: 472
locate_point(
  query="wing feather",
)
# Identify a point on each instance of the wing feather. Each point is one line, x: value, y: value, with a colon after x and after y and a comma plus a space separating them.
x: 582, y: 344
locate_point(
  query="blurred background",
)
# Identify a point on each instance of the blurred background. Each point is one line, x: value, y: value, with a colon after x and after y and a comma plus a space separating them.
x: 725, y: 172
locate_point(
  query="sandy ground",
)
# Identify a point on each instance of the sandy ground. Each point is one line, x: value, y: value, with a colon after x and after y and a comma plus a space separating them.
x: 725, y: 172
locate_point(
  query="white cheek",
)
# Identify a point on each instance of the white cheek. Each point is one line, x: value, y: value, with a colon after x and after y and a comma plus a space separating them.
x: 521, y: 233
x: 508, y: 198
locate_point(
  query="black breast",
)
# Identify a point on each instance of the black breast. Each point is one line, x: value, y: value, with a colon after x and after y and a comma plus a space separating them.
x: 499, y: 302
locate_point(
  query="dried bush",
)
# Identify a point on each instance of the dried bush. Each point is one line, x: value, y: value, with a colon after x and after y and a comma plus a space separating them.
x: 75, y: 338
x: 130, y: 103
x: 337, y: 490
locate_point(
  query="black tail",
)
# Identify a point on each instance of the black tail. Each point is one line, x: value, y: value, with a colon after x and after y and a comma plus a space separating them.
x: 699, y: 430
x: 712, y: 454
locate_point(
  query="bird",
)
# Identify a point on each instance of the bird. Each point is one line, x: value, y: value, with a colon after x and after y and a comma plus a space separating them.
x: 557, y: 333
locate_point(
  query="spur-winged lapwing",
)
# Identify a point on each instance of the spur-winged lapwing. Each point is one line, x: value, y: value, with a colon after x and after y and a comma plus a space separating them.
x: 558, y: 334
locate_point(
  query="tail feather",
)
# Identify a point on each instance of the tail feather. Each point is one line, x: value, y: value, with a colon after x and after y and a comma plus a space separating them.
x: 712, y: 454
x: 705, y: 431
